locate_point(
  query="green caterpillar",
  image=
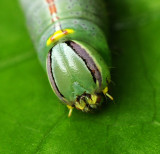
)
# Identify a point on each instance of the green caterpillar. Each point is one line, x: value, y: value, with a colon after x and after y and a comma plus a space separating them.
x: 69, y: 36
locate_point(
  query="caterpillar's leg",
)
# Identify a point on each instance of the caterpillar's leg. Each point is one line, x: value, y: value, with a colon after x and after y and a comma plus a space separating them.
x: 105, y: 92
x: 70, y: 110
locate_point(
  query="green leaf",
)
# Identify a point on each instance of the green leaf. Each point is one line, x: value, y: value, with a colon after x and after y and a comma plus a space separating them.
x: 33, y: 121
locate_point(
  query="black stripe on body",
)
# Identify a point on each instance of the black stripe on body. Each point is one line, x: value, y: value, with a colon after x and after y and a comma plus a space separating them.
x: 87, y: 60
x: 51, y: 77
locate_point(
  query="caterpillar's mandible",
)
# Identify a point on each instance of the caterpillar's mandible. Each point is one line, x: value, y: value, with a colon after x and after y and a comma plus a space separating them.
x: 69, y: 36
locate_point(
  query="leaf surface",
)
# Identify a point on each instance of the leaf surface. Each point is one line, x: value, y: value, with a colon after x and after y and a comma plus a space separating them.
x: 33, y: 121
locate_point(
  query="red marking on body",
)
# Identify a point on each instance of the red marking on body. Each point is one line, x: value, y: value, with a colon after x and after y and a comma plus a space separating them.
x: 52, y: 9
x: 52, y: 38
x: 65, y: 32
x: 56, y: 19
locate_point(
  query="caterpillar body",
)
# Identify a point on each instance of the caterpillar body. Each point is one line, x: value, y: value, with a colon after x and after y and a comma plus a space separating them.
x: 69, y: 37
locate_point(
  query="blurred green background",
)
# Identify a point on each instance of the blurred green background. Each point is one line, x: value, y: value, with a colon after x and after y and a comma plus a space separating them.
x: 33, y: 121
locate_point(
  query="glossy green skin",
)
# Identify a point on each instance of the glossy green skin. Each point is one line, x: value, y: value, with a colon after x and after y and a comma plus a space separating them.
x: 87, y: 18
x: 71, y: 74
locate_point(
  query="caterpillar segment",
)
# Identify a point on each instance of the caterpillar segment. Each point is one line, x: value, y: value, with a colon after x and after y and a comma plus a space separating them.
x: 71, y: 44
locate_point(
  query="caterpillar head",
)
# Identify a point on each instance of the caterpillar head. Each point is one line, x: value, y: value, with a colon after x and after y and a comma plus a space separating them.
x: 78, y: 75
